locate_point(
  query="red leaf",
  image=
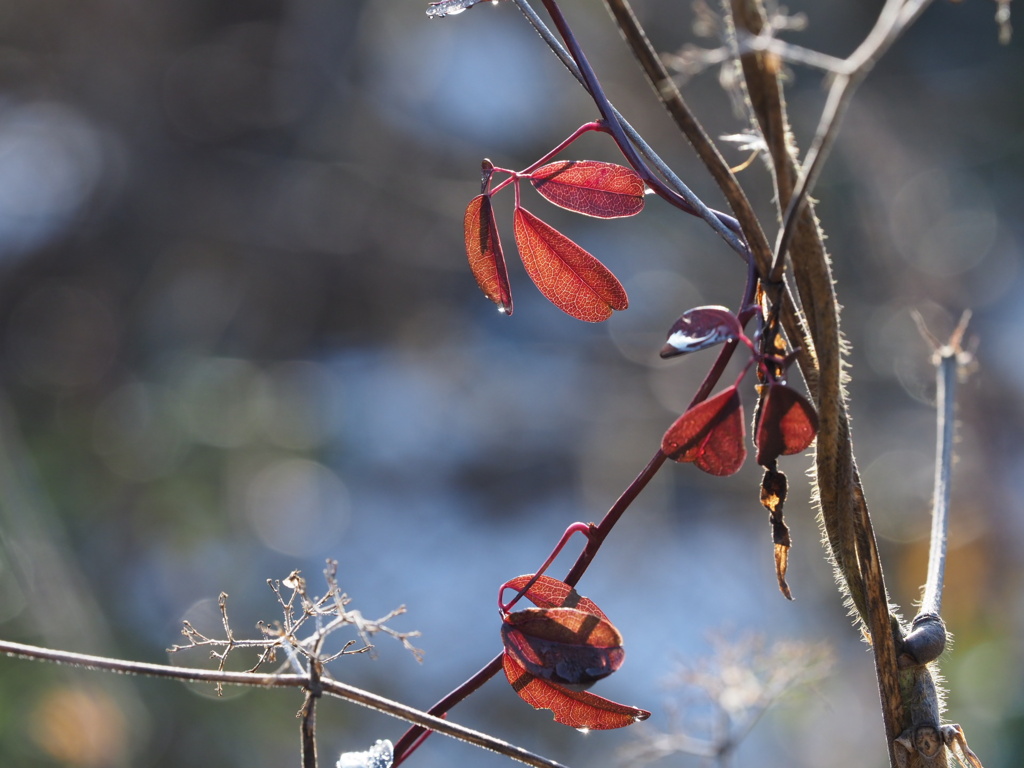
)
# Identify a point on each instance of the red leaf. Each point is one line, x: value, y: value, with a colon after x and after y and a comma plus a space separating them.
x: 568, y: 276
x: 700, y: 328
x: 563, y: 645
x: 787, y: 424
x: 604, y: 190
x: 547, y: 592
x: 710, y: 435
x: 483, y: 247
x: 577, y: 709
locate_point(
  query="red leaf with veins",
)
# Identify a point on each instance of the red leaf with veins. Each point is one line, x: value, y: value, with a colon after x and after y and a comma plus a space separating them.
x: 590, y: 187
x: 710, y: 435
x: 567, y: 640
x: 787, y: 424
x: 577, y: 709
x: 563, y: 645
x: 568, y: 276
x: 483, y: 247
x: 547, y: 592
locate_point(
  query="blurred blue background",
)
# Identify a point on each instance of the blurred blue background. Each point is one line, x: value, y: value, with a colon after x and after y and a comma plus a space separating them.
x: 238, y: 336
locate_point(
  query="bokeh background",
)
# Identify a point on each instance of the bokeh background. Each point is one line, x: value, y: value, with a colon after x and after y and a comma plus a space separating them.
x: 238, y: 337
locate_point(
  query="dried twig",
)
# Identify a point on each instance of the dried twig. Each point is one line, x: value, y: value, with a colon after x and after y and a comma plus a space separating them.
x: 924, y: 740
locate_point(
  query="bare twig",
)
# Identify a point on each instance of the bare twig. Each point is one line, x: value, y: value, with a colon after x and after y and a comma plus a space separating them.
x: 307, y: 730
x: 263, y: 680
x: 895, y: 18
x: 741, y: 698
x: 924, y: 741
x: 927, y: 638
x: 949, y: 360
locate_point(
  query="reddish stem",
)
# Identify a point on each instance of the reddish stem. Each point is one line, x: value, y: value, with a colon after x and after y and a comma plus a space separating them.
x: 516, y: 175
x: 586, y: 529
x: 597, y: 93
x: 596, y: 536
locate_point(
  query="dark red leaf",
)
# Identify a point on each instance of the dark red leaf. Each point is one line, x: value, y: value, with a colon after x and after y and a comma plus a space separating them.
x: 577, y: 709
x: 483, y: 247
x: 563, y: 645
x: 568, y: 276
x: 700, y: 328
x: 604, y: 190
x: 787, y: 424
x: 547, y: 592
x: 710, y: 435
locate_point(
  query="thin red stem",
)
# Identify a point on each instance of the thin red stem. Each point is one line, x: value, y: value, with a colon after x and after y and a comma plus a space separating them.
x: 585, y: 528
x: 516, y: 175
x: 593, y: 86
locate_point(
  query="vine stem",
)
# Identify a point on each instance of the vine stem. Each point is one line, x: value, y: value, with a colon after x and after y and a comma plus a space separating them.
x: 328, y: 686
x: 671, y: 97
x: 668, y: 185
x: 895, y: 18
x: 948, y: 359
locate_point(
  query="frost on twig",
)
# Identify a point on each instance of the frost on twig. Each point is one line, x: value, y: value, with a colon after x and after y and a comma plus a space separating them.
x: 306, y: 622
x: 735, y: 686
x: 380, y: 755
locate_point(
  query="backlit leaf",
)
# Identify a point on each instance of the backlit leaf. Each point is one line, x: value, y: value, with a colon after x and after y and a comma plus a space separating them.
x: 787, y: 424
x: 700, y: 328
x: 547, y: 592
x: 604, y: 190
x: 710, y: 435
x: 483, y: 247
x: 577, y: 709
x: 568, y: 276
x: 563, y: 645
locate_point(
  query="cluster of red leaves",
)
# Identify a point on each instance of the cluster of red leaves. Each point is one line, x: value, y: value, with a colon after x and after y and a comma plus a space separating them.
x: 711, y: 434
x: 556, y: 650
x: 568, y: 276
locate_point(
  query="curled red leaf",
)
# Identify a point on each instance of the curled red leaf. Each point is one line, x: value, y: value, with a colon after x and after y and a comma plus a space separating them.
x: 568, y: 276
x: 591, y: 187
x: 700, y: 328
x: 710, y: 435
x: 566, y: 641
x: 563, y: 645
x: 483, y: 248
x: 546, y: 592
x: 787, y: 424
x: 577, y: 709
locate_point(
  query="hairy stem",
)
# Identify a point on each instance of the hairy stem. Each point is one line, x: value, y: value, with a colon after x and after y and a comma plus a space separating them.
x: 949, y: 358
x: 844, y: 510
